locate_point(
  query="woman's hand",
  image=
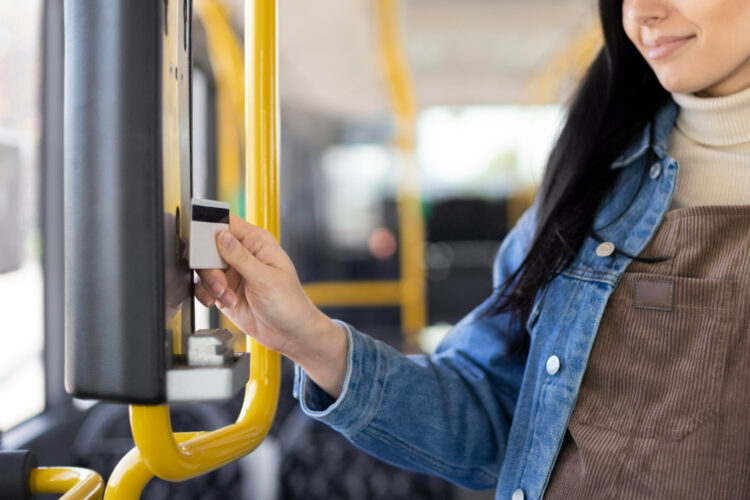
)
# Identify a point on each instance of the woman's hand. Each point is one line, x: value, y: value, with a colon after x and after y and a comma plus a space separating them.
x: 261, y: 294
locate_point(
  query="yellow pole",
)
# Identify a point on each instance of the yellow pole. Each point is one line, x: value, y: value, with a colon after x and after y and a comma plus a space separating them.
x: 159, y: 448
x: 262, y: 115
x: 411, y: 224
x: 74, y: 482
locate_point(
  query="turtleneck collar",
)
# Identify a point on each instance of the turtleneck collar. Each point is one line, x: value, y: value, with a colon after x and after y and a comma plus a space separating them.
x: 715, y: 121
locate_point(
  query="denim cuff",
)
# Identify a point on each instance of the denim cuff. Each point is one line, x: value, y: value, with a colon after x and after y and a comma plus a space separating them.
x: 363, y: 387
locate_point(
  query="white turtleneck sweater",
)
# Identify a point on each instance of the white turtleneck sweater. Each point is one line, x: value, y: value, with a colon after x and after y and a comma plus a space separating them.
x: 711, y: 142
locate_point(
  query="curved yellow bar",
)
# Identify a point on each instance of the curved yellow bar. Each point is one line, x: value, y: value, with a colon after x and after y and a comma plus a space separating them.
x: 411, y: 224
x: 167, y: 458
x: 159, y: 448
x: 129, y: 478
x: 74, y: 482
x: 131, y: 475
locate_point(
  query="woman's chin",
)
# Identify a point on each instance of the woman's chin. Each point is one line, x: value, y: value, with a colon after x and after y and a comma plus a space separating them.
x: 679, y: 84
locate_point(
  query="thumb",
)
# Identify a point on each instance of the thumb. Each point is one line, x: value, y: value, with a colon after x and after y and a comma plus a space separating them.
x: 238, y: 257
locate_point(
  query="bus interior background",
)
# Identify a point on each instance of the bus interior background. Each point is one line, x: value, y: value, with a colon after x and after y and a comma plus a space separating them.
x: 491, y: 79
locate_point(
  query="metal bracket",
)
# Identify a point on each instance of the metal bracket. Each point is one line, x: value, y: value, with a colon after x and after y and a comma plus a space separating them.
x: 210, y: 371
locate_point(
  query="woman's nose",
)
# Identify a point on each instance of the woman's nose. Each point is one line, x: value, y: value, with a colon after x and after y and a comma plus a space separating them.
x: 646, y: 12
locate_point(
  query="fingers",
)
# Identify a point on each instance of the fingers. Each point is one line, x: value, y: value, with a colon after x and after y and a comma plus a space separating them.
x: 259, y: 242
x: 204, y: 296
x: 233, y: 278
x: 239, y: 257
x: 248, y: 250
x: 242, y: 229
x: 214, y: 280
x: 217, y: 284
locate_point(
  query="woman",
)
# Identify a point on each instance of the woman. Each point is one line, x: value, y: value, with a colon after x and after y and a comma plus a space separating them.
x: 519, y: 396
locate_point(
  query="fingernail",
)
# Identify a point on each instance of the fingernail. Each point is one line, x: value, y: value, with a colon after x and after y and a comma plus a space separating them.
x: 226, y: 239
x: 216, y: 287
x: 228, y: 300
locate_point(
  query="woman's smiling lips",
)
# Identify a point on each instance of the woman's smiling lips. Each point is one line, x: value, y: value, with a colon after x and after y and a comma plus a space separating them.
x: 665, y: 45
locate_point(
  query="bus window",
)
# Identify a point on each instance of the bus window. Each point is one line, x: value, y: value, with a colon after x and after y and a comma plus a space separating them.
x: 484, y: 151
x: 21, y: 275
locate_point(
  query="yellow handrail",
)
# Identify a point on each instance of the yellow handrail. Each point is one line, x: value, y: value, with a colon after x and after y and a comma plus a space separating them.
x: 131, y: 475
x: 74, y: 482
x: 151, y: 426
x: 129, y: 478
x: 411, y: 223
x: 159, y: 449
x: 354, y: 293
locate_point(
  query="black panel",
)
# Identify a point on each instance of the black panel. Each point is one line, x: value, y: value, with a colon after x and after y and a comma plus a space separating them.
x: 15, y: 467
x: 114, y: 291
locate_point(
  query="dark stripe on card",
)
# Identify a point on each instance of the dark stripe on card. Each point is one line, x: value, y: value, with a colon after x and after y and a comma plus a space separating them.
x: 202, y: 213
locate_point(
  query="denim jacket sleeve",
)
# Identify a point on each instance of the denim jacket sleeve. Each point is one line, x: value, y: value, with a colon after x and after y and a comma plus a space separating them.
x: 447, y: 414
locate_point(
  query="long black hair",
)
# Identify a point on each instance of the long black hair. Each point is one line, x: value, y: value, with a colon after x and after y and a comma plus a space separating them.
x: 618, y: 96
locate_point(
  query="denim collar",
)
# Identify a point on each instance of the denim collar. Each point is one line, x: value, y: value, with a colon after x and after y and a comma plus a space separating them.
x: 662, y: 123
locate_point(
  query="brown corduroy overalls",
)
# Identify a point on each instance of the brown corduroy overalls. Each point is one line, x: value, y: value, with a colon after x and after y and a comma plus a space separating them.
x: 664, y: 406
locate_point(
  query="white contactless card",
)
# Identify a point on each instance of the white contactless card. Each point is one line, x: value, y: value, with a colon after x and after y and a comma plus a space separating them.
x: 207, y: 218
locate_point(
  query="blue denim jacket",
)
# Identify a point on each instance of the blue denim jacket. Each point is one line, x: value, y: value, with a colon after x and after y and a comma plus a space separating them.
x: 469, y: 412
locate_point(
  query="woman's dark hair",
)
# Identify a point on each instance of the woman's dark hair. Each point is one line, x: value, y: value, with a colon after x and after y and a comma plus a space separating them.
x: 618, y: 97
